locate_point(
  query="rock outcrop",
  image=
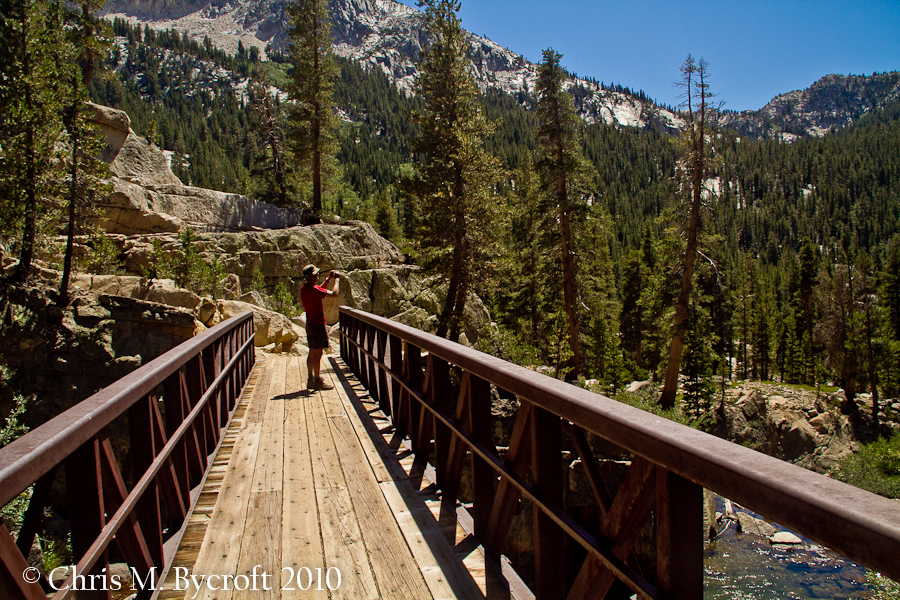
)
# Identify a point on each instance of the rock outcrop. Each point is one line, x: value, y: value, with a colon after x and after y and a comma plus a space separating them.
x: 148, y: 198
x: 62, y: 356
x: 375, y: 276
x: 793, y: 425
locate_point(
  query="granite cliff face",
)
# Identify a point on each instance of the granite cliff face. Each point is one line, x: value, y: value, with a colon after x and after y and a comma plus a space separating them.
x: 383, y: 34
x: 148, y: 198
x: 830, y: 103
x: 388, y: 35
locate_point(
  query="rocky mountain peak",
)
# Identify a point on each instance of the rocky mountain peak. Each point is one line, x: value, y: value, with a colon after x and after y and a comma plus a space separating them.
x: 383, y: 34
x: 830, y: 103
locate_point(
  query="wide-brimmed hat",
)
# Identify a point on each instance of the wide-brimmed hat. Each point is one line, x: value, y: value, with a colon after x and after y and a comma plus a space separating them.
x: 310, y: 270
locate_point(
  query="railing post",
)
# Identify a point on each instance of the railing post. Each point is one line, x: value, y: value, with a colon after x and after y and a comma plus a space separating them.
x: 395, y: 363
x: 382, y: 395
x: 342, y: 327
x: 479, y: 422
x: 144, y: 450
x: 439, y: 390
x: 174, y: 417
x: 410, y: 409
x: 356, y: 354
x: 365, y: 341
x: 679, y: 543
x: 84, y: 485
x: 549, y: 539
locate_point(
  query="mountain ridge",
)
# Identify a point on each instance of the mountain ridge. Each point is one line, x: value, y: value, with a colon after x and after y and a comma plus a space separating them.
x: 384, y: 34
x: 388, y: 35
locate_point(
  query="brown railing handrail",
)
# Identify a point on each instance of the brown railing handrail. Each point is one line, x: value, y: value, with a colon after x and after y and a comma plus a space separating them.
x: 863, y: 526
x: 198, y: 382
x: 30, y: 457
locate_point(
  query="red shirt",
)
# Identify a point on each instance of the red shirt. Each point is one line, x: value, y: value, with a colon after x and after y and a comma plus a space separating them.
x: 311, y: 297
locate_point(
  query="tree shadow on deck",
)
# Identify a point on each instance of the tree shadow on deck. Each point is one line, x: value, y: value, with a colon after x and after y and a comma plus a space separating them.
x: 415, y: 482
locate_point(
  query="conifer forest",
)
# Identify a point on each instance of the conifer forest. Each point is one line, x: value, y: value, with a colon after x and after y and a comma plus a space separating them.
x: 579, y: 256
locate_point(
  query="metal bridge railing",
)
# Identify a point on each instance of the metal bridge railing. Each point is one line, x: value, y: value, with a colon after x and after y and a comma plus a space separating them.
x: 671, y: 466
x: 172, y: 436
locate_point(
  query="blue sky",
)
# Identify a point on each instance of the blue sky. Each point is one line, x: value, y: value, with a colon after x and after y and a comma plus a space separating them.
x: 755, y: 49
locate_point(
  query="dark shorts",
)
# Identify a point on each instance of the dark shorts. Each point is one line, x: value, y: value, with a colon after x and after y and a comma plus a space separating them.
x: 316, y: 336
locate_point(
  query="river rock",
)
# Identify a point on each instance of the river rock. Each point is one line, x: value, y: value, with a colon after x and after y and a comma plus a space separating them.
x: 821, y: 423
x: 208, y: 313
x: 161, y: 291
x: 752, y: 525
x: 253, y: 297
x: 785, y: 537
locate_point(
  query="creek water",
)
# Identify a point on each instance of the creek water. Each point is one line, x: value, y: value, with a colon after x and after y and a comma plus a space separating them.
x: 743, y: 566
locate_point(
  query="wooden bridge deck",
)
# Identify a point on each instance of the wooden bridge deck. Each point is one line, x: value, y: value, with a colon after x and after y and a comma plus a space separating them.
x: 318, y: 481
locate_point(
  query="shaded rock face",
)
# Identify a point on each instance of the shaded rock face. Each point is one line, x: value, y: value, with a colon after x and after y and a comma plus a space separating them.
x: 148, y: 198
x: 65, y: 355
x: 796, y: 427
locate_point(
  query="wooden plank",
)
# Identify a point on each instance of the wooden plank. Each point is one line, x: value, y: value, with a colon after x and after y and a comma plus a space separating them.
x: 261, y: 543
x: 260, y: 548
x: 270, y: 461
x: 341, y: 536
x: 256, y: 408
x: 191, y: 542
x: 368, y: 422
x: 220, y: 551
x: 330, y: 398
x: 392, y: 562
x: 301, y: 538
x: 221, y: 547
x: 443, y: 569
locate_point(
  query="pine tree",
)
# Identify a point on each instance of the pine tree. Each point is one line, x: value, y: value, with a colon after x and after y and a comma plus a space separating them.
x: 697, y: 95
x: 600, y: 327
x: 631, y: 318
x: 564, y: 174
x: 890, y: 301
x: 312, y: 122
x: 31, y: 128
x: 86, y: 172
x: 807, y: 278
x: 455, y: 189
x: 386, y: 217
x: 271, y: 169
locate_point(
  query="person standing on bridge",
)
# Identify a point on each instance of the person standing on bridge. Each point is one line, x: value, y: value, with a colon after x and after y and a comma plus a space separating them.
x: 311, y: 295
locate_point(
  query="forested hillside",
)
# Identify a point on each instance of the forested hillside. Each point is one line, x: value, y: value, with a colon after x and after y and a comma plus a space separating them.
x: 797, y: 279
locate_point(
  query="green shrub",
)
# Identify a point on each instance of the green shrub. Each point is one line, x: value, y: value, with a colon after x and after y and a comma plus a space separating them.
x: 103, y: 257
x: 213, y: 276
x: 12, y: 429
x: 282, y: 301
x: 259, y: 282
x: 648, y: 401
x: 162, y: 263
x: 190, y: 268
x: 876, y: 467
x: 884, y: 588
